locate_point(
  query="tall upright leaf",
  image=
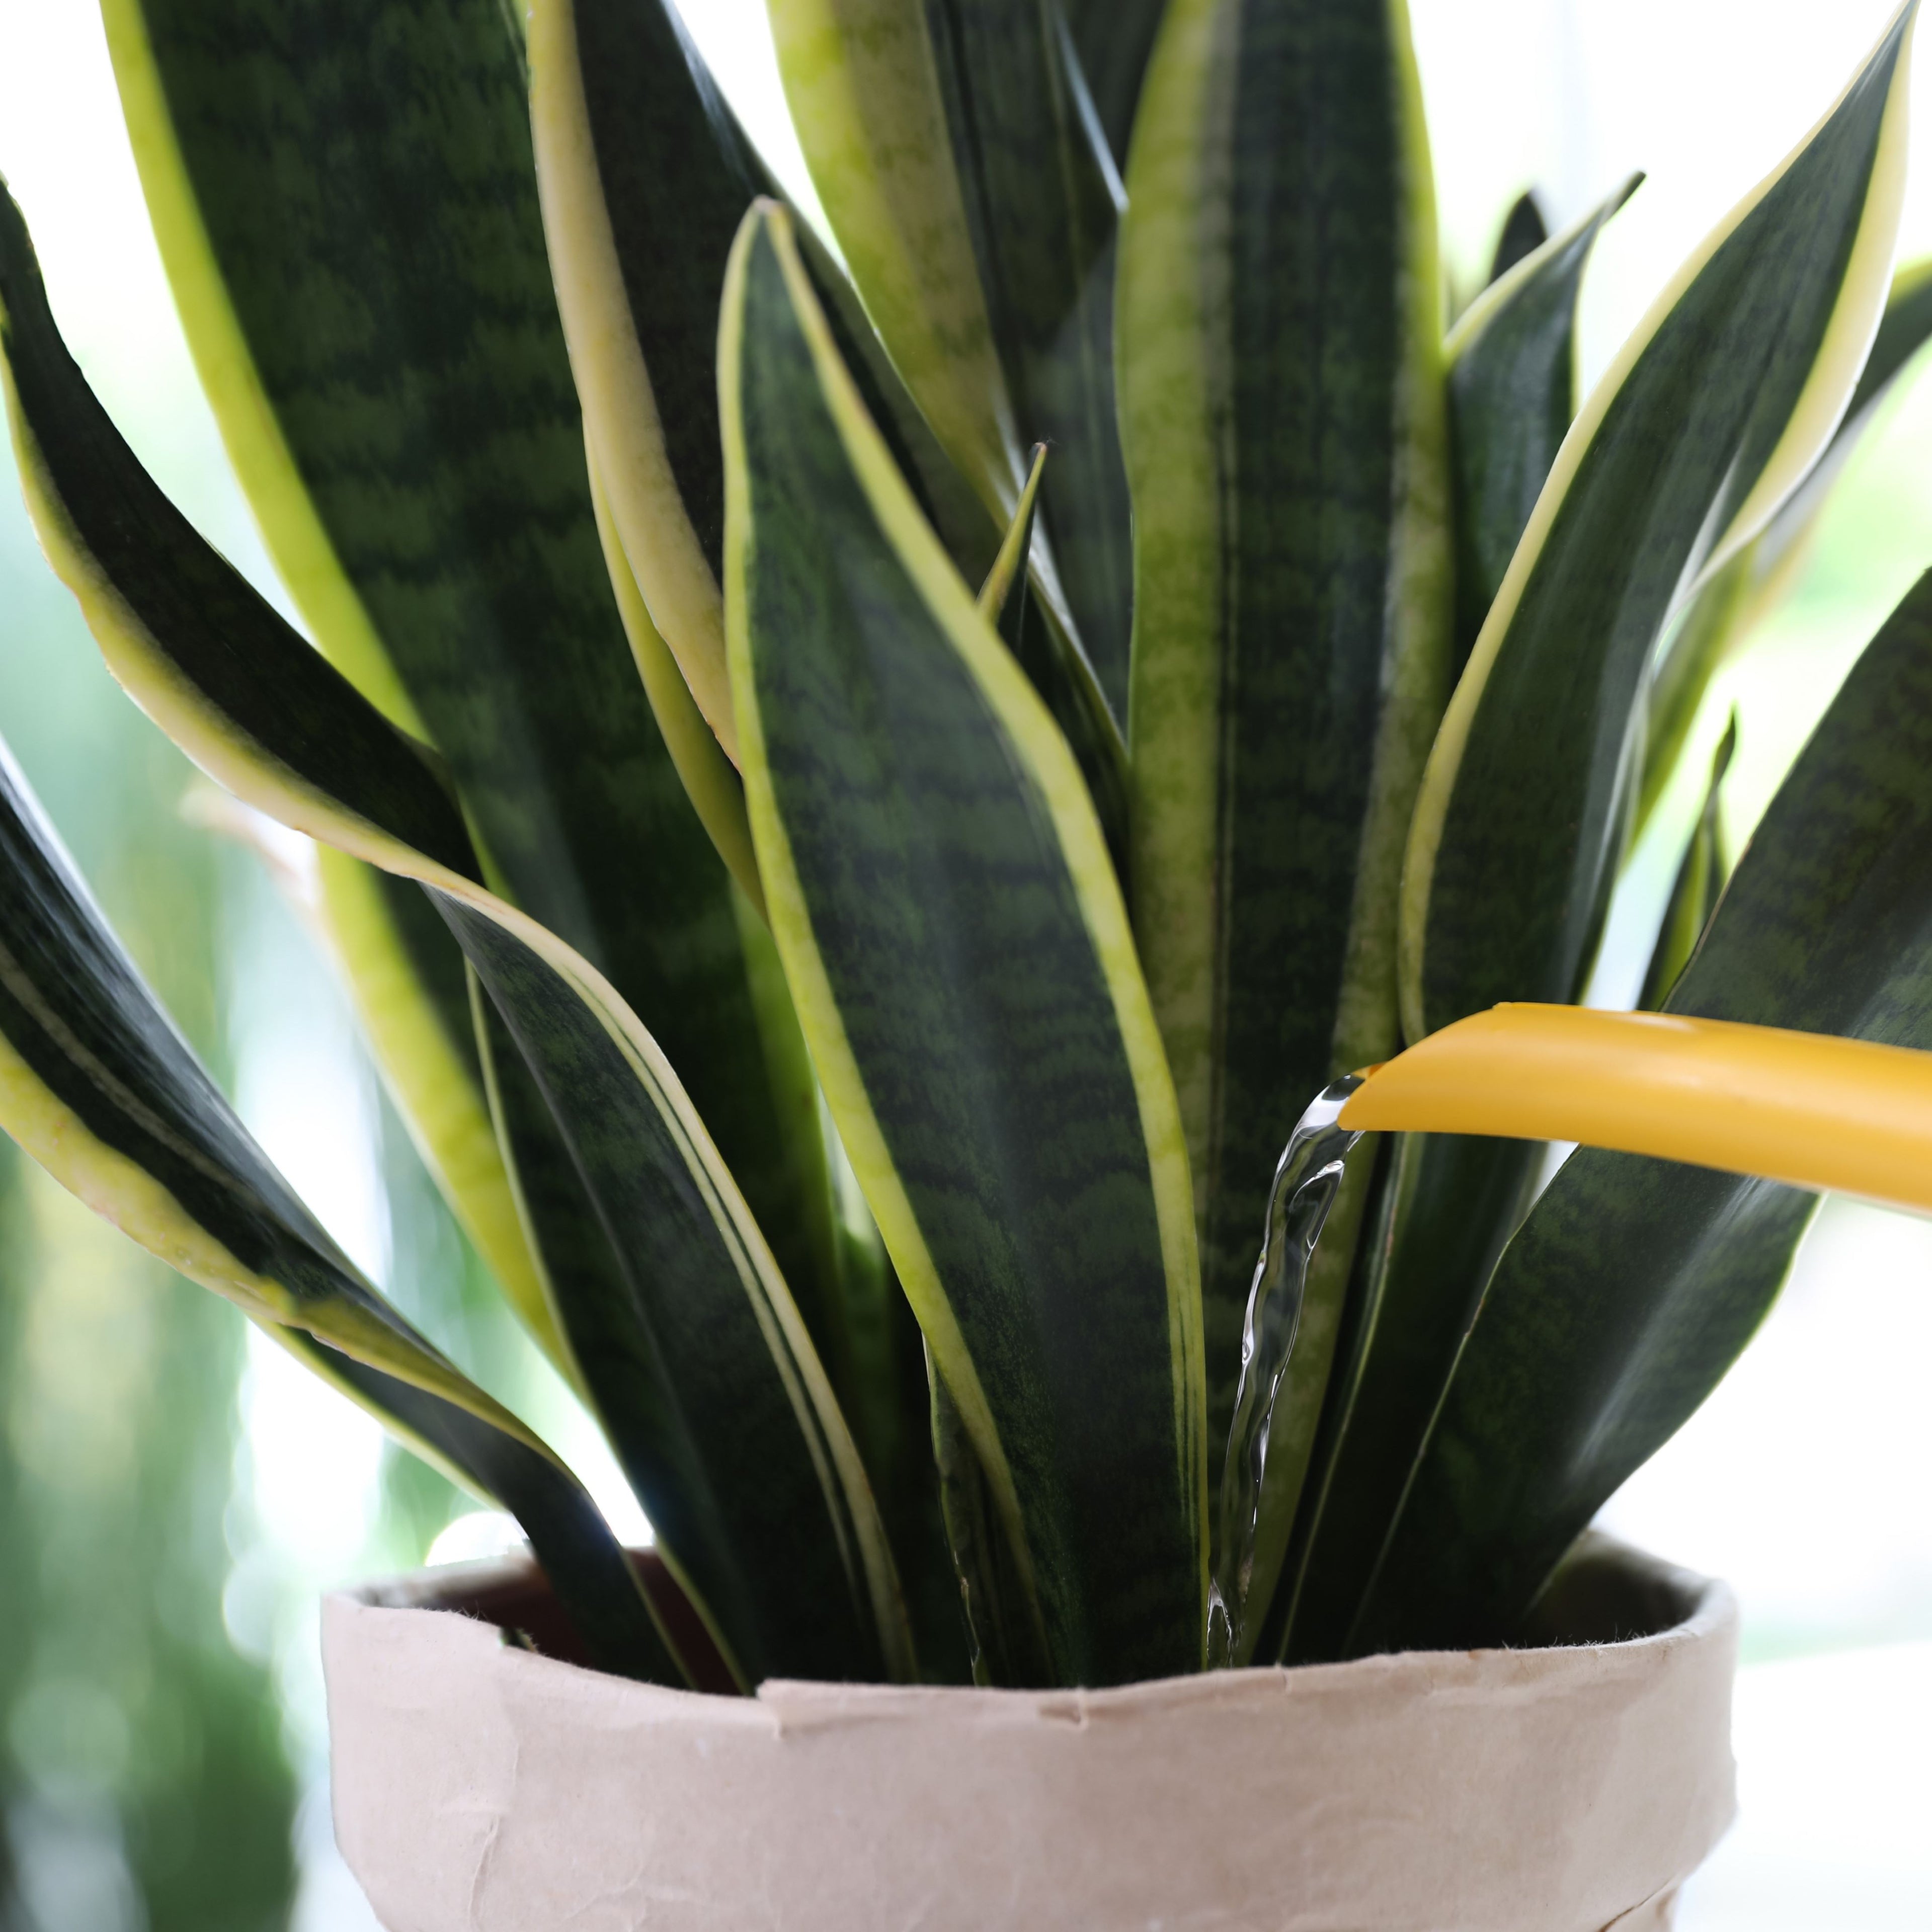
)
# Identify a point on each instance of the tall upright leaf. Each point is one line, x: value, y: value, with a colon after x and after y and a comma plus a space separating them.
x: 346, y: 204
x: 972, y: 192
x: 1042, y: 199
x: 410, y: 987
x: 1714, y: 411
x: 945, y: 910
x: 1450, y: 1201
x: 1283, y: 416
x: 1634, y: 1283
x: 1512, y: 361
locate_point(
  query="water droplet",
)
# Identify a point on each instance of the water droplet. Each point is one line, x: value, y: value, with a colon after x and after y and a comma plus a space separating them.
x: 1305, y: 1180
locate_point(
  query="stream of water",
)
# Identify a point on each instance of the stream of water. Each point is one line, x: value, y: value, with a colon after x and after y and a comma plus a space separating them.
x: 1305, y: 1180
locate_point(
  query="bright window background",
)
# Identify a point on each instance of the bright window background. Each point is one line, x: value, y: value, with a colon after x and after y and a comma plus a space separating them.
x: 1802, y: 1481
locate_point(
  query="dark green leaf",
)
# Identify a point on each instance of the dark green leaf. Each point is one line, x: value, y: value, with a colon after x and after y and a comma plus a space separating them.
x: 751, y: 1434
x: 1524, y: 232
x: 1711, y: 415
x: 1512, y: 396
x: 1634, y: 1283
x: 1009, y: 1647
x: 346, y: 200
x: 645, y: 178
x: 951, y: 925
x: 1042, y: 200
x: 1283, y: 417
x: 1451, y: 1203
x: 1748, y: 588
x: 1113, y: 39
x: 713, y: 1399
x: 100, y: 1087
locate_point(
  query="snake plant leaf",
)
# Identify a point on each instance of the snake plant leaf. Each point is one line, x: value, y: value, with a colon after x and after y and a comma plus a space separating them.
x: 1007, y: 1640
x: 1283, y: 415
x: 1512, y: 361
x: 1451, y: 1202
x: 950, y: 922
x: 1113, y: 40
x: 97, y: 1085
x: 410, y: 987
x: 1524, y: 232
x: 780, y: 1544
x: 346, y: 205
x: 716, y: 1402
x: 1739, y: 598
x: 711, y: 780
x: 645, y: 177
x: 1721, y: 401
x: 1002, y: 598
x: 1634, y: 1283
x: 1042, y: 200
x: 884, y: 108
x: 1695, y: 890
x: 862, y: 82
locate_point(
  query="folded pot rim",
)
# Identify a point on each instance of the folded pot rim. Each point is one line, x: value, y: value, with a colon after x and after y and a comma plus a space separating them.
x: 1606, y: 1585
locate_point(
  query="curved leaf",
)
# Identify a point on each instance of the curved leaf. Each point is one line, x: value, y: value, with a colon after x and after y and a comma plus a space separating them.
x: 1713, y: 412
x: 1512, y: 396
x: 96, y: 1084
x: 947, y: 915
x: 1745, y: 592
x: 1451, y: 1202
x: 1634, y: 1283
x: 863, y: 85
x: 779, y: 1541
x: 1283, y: 416
x: 346, y: 201
x: 407, y: 979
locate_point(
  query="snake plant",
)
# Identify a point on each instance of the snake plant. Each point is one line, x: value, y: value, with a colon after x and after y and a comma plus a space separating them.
x: 861, y: 781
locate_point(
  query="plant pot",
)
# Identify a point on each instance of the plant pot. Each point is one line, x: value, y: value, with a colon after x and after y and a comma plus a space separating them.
x: 1567, y: 1788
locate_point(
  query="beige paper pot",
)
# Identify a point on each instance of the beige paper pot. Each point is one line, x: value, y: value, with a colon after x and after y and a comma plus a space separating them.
x: 481, y: 1788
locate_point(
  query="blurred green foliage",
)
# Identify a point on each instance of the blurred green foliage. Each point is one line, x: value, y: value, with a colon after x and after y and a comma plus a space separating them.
x: 143, y: 1779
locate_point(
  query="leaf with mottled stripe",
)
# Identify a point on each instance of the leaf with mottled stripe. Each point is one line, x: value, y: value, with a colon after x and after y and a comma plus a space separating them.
x: 952, y: 928
x: 97, y: 1085
x: 1042, y: 200
x: 408, y: 981
x: 994, y: 312
x: 1712, y: 413
x: 1635, y: 1283
x: 743, y: 1460
x: 1283, y: 415
x: 1451, y: 1202
x: 346, y: 200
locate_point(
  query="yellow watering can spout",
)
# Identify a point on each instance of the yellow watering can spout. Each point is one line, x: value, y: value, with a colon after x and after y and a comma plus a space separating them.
x: 1808, y: 1108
